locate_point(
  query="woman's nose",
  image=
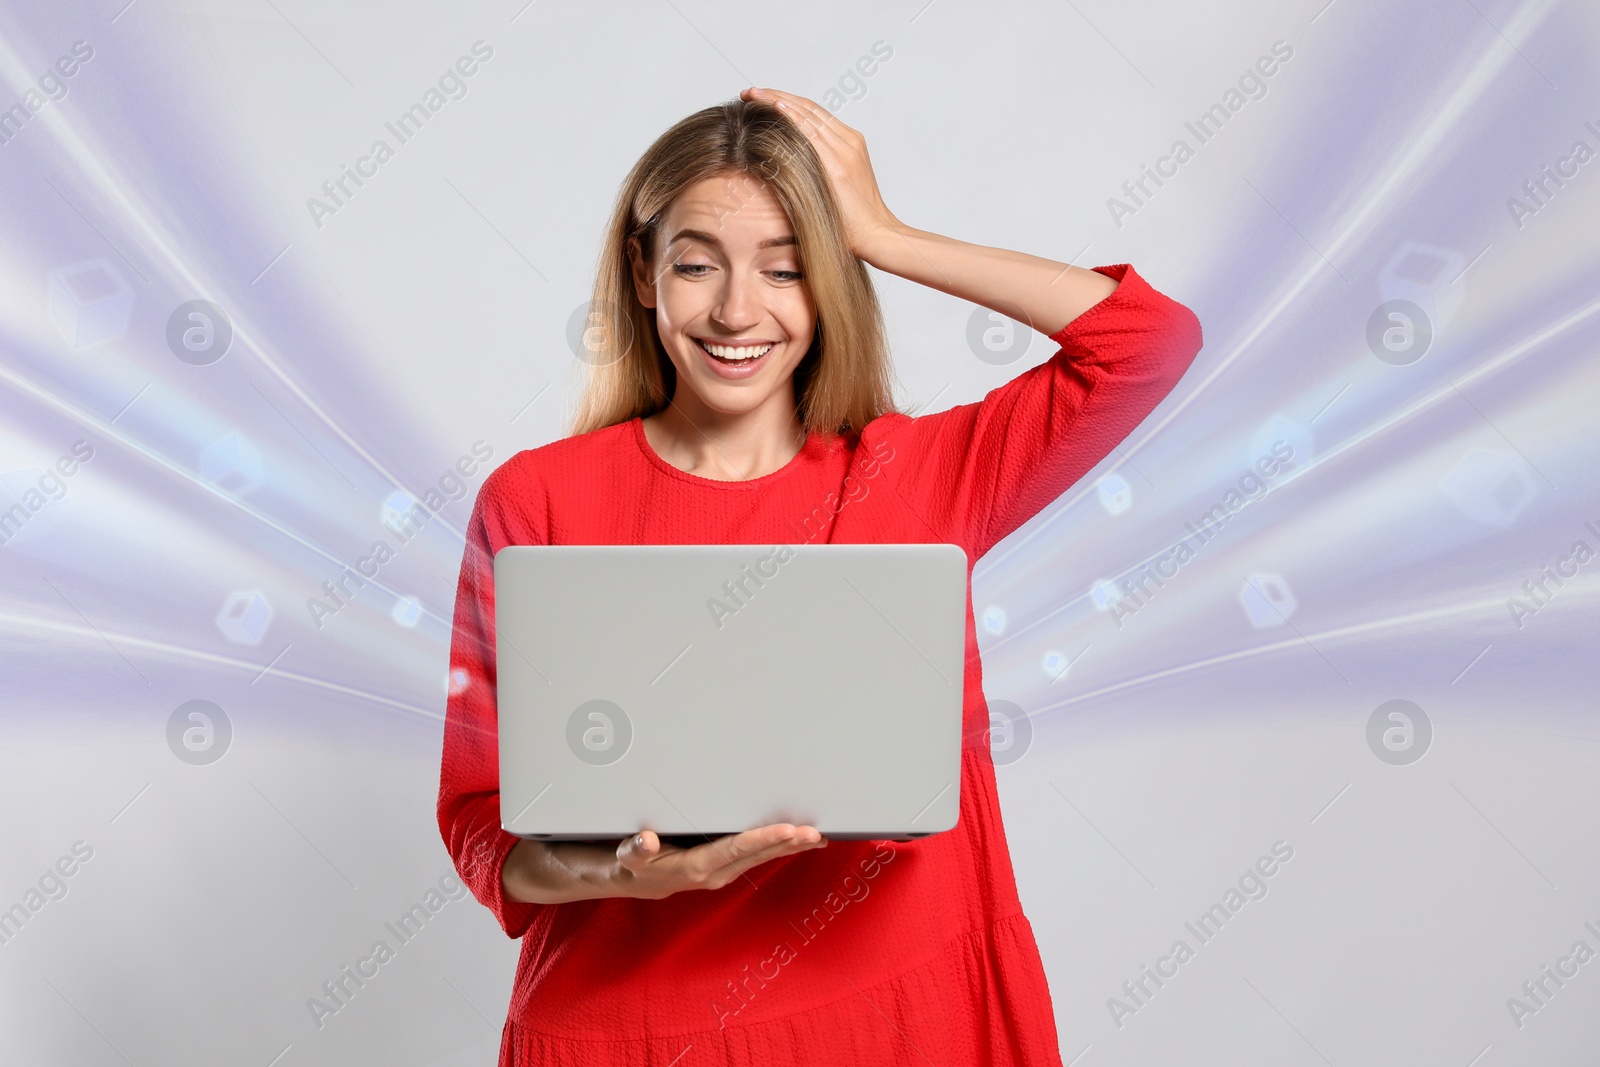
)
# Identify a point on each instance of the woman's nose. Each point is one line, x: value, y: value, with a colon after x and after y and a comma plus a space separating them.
x: 738, y: 308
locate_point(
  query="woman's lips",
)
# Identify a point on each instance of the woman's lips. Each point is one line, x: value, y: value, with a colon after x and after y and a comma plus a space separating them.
x: 731, y: 369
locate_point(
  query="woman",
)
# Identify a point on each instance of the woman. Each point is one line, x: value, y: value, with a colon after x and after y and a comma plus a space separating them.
x: 740, y: 394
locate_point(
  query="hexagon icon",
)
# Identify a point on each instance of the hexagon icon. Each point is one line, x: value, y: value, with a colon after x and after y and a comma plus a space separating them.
x: 244, y: 617
x: 1055, y: 663
x: 1279, y: 437
x: 1115, y: 493
x: 1491, y: 487
x: 407, y: 611
x: 1104, y: 593
x: 402, y: 512
x: 232, y: 465
x: 1267, y: 600
x: 994, y: 619
x: 1422, y: 273
x: 90, y: 302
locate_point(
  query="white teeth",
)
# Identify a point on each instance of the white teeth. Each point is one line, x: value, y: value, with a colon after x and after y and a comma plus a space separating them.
x: 738, y: 355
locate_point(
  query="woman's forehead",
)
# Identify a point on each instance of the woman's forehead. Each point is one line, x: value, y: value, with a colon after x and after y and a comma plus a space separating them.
x: 730, y: 212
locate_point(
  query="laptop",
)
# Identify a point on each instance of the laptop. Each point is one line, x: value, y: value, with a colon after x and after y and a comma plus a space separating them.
x: 701, y: 690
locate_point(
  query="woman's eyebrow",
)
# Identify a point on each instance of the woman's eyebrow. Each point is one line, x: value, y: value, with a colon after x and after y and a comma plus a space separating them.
x: 706, y: 238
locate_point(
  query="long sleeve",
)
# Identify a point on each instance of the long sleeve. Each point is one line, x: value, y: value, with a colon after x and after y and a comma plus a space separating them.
x: 469, y: 774
x: 984, y: 469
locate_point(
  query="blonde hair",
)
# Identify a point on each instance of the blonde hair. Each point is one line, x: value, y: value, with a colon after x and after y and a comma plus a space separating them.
x: 842, y: 383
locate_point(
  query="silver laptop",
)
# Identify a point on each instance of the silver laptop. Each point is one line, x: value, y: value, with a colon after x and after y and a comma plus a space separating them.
x: 699, y: 690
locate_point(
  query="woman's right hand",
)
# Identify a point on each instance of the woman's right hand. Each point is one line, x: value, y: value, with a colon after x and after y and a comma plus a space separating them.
x: 651, y: 869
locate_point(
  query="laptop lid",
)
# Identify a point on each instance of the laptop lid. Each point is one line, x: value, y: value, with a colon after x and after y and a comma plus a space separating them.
x: 709, y: 689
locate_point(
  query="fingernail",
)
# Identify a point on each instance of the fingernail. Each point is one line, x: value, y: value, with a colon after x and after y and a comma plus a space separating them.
x: 638, y: 839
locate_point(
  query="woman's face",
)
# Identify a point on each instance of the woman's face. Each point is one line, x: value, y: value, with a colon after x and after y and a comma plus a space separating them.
x: 727, y: 275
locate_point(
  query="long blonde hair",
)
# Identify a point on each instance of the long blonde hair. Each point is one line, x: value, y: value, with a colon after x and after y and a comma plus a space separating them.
x: 844, y: 380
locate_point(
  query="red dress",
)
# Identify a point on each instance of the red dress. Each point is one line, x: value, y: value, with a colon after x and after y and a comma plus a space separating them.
x: 865, y: 951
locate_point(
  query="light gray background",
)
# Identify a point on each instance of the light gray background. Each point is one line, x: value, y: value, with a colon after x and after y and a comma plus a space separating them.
x: 430, y: 312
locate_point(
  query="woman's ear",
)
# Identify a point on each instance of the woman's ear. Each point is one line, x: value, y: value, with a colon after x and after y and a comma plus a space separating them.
x: 644, y: 286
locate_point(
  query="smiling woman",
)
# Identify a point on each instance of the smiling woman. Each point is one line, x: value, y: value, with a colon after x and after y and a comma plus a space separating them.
x: 705, y: 250
x: 744, y: 397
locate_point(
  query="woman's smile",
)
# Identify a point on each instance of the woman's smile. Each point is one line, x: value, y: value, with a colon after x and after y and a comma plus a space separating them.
x: 738, y: 359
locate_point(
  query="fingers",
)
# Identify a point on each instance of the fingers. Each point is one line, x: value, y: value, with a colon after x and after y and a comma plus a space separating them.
x: 802, y: 109
x: 713, y: 864
x: 738, y: 853
x: 639, y: 849
x: 844, y: 154
x: 828, y: 135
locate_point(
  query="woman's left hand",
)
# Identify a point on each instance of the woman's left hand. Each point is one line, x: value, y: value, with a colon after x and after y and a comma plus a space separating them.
x: 867, y: 220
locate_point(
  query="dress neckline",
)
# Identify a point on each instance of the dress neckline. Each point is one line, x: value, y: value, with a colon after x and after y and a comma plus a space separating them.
x: 807, y: 450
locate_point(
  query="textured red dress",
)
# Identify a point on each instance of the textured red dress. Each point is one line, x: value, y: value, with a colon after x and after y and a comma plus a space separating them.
x: 861, y: 952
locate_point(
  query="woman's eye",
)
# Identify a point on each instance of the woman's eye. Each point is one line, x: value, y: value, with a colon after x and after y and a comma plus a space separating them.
x: 787, y: 275
x: 692, y: 270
